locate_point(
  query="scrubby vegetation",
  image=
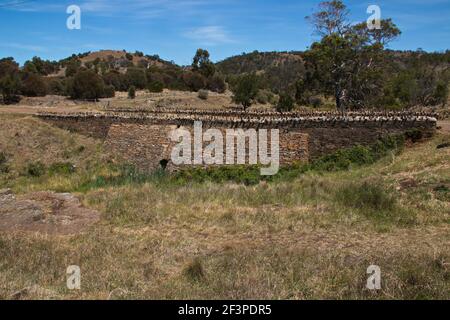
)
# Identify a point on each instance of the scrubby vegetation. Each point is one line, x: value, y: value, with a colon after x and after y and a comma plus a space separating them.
x: 92, y: 79
x: 350, y: 67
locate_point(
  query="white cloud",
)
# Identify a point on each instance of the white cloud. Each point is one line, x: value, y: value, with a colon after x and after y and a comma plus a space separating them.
x: 25, y: 47
x: 139, y: 9
x: 209, y: 35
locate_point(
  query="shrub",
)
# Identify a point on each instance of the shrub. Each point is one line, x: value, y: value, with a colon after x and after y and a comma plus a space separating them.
x: 315, y: 101
x: 63, y: 168
x: 441, y: 93
x: 248, y: 175
x: 35, y: 169
x: 194, y: 80
x: 86, y: 85
x: 136, y: 77
x: 132, y: 92
x: 442, y: 193
x: 116, y: 79
x: 129, y: 56
x: 9, y: 89
x: 203, y: 94
x: 73, y: 67
x: 265, y: 97
x: 216, y: 83
x: 286, y: 103
x: 194, y: 271
x: 156, y: 87
x: 3, y: 163
x: 57, y: 87
x: 110, y: 91
x: 2, y: 158
x: 414, y: 135
x: 34, y: 86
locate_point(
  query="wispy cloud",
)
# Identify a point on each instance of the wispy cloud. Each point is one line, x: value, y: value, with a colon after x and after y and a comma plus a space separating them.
x: 209, y: 35
x: 139, y: 8
x: 25, y: 47
x: 34, y: 6
x: 136, y: 9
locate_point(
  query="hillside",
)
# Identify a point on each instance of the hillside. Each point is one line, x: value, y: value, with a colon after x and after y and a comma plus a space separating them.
x: 138, y: 59
x: 113, y: 59
x: 279, y: 69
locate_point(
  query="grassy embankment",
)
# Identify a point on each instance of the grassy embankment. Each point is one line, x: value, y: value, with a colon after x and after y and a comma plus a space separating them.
x: 311, y: 233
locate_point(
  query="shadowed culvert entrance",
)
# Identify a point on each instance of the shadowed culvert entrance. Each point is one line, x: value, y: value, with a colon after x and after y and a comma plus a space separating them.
x: 163, y: 164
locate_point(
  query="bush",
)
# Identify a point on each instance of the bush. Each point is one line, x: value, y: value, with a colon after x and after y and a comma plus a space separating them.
x: 9, y: 89
x: 34, y: 86
x: 57, y: 87
x: 265, y: 97
x: 216, y: 83
x: 315, y: 101
x: 73, y: 67
x: 194, y: 81
x: 129, y: 56
x: 86, y: 85
x: 156, y: 87
x: 35, y: 169
x: 137, y: 77
x: 3, y: 163
x: 203, y: 94
x: 248, y: 175
x: 194, y: 271
x: 415, y: 135
x: 285, y: 104
x: 110, y: 91
x: 63, y: 168
x: 116, y: 79
x: 132, y: 92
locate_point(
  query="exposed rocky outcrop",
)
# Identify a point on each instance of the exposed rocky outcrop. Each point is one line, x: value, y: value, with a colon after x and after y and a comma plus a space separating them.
x: 44, y: 212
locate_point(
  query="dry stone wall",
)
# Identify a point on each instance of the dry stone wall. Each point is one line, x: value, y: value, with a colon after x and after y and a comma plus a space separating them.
x: 144, y: 138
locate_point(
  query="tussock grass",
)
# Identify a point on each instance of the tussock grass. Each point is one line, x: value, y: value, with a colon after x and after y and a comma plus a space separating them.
x: 141, y: 266
x: 309, y: 234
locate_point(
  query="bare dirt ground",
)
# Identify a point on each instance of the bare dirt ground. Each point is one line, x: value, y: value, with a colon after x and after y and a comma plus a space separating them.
x: 144, y: 99
x: 44, y: 212
x: 445, y: 126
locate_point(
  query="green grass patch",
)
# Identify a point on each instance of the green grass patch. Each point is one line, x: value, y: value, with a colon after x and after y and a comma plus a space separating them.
x: 374, y: 200
x: 4, y: 168
x: 35, y: 169
x: 61, y: 168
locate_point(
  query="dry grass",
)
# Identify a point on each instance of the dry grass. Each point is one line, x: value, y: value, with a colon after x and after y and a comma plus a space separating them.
x: 311, y: 238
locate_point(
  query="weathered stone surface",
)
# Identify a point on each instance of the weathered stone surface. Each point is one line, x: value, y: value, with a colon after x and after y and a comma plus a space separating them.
x: 143, y: 138
x: 45, y: 212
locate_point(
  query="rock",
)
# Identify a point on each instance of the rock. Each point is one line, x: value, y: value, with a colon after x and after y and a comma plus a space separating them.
x: 45, y: 212
x: 5, y: 192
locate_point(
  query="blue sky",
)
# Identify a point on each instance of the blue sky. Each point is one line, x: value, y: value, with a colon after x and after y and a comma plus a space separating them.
x: 174, y: 29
